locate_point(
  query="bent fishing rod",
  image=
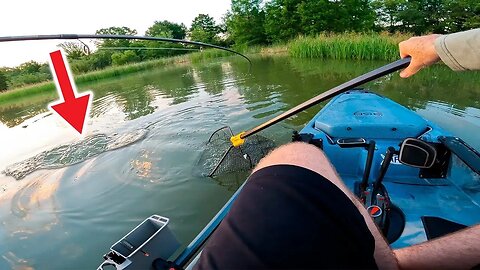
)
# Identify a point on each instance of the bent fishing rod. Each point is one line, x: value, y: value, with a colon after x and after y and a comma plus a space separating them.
x: 125, y: 37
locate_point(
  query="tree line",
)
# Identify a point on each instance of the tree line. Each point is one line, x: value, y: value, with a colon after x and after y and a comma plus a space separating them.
x: 259, y: 22
x: 110, y: 52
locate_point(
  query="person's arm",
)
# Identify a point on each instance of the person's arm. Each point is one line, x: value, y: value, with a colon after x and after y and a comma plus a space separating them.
x: 460, y: 51
x: 459, y: 250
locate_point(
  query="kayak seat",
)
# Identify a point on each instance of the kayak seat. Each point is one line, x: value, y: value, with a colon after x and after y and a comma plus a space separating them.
x: 362, y: 114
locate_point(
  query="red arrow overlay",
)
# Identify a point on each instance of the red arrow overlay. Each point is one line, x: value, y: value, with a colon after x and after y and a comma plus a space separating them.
x: 72, y: 108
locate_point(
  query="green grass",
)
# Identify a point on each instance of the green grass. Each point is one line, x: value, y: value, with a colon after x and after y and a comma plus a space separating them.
x: 111, y: 72
x: 347, y: 46
x: 26, y: 91
x: 89, y: 77
x: 207, y: 54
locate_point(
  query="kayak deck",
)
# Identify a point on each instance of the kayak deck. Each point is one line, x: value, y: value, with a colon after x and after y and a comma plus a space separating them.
x: 362, y: 116
x: 415, y: 201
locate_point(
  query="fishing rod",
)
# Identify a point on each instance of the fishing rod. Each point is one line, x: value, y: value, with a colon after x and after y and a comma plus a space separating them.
x: 124, y: 37
x: 148, y: 48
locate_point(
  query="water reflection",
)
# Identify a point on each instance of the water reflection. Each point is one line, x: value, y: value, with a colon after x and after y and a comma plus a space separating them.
x: 282, y: 81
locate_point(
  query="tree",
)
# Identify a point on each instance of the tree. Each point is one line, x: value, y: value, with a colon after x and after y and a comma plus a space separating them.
x: 282, y: 20
x: 3, y: 82
x: 246, y: 22
x: 121, y: 58
x: 167, y: 29
x: 336, y: 16
x: 462, y: 15
x: 286, y: 19
x: 361, y: 13
x: 73, y: 50
x: 423, y: 16
x: 204, y: 29
x: 29, y: 67
x: 100, y: 59
x: 123, y: 30
x: 387, y: 14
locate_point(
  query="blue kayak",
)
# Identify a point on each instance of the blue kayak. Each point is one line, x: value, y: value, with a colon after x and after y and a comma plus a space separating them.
x: 427, y: 202
x: 417, y: 181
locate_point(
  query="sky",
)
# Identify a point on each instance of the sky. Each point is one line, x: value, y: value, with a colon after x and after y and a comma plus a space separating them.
x: 22, y: 17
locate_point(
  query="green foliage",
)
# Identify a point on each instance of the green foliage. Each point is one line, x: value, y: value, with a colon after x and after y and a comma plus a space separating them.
x: 115, y: 31
x: 31, y: 90
x: 89, y: 77
x: 29, y: 78
x: 245, y: 24
x: 80, y: 66
x: 462, y: 15
x: 167, y: 29
x: 207, y: 54
x: 340, y: 29
x: 122, y: 58
x: 387, y: 13
x: 204, y: 29
x: 286, y: 19
x: 95, y: 61
x: 347, y: 46
x: 27, y: 73
x: 282, y: 20
x: 3, y: 82
x: 74, y: 50
x: 427, y: 16
x: 100, y: 59
x: 30, y: 67
x: 423, y: 16
x: 336, y: 16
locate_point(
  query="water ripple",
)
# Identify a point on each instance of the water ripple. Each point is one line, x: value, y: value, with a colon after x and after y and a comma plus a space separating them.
x: 73, y: 153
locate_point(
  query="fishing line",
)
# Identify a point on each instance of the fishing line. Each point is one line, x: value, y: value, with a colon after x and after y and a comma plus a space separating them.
x: 148, y: 48
x: 86, y: 49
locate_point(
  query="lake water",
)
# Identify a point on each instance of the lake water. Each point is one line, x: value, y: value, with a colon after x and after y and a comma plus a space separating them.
x: 78, y: 195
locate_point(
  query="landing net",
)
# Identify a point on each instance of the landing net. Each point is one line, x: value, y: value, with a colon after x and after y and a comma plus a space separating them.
x: 220, y: 157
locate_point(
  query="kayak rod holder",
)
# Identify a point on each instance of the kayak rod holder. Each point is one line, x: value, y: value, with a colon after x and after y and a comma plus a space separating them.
x: 383, y: 169
x: 368, y: 165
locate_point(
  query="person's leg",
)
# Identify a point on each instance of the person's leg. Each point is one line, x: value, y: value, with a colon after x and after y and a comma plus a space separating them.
x: 312, y: 158
x: 289, y: 215
x: 458, y: 250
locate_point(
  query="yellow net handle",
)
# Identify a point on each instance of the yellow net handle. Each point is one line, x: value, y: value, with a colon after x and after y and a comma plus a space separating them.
x: 237, y: 140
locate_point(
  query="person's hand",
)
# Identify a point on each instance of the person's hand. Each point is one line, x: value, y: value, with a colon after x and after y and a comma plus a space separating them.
x: 422, y: 51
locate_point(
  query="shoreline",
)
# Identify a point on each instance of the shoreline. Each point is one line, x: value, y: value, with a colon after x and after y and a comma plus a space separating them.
x: 347, y: 46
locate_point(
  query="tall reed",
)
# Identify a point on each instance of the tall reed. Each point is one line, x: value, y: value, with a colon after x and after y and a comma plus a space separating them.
x: 347, y: 46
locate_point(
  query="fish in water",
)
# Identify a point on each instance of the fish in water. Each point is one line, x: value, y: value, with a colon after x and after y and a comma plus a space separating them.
x: 69, y: 154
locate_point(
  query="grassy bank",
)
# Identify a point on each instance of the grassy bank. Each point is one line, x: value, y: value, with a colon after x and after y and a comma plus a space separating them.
x: 92, y: 76
x: 328, y: 46
x: 347, y: 46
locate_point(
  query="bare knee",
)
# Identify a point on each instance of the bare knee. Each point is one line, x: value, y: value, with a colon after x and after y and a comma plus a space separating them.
x: 302, y: 155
